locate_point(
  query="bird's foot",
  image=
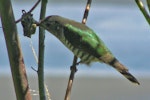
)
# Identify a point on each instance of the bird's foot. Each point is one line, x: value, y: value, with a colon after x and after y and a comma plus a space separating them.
x: 78, y: 62
x: 73, y: 68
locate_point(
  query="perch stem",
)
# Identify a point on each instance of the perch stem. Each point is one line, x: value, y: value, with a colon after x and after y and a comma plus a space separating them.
x: 41, y: 53
x: 143, y: 10
x: 73, y: 67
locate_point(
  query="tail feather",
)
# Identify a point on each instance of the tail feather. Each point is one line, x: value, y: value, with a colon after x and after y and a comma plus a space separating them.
x: 123, y: 70
x: 130, y: 77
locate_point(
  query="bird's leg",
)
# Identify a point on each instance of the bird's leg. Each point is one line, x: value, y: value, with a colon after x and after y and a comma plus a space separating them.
x: 78, y: 63
x: 73, y: 68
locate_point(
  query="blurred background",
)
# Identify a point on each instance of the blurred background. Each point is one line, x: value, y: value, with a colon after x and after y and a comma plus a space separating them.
x: 119, y: 23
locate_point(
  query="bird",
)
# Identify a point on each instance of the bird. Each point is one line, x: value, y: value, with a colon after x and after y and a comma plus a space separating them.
x: 84, y: 43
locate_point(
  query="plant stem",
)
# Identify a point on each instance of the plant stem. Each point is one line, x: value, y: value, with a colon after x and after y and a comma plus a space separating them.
x: 14, y: 51
x: 143, y: 10
x: 148, y: 4
x: 73, y: 67
x: 35, y: 5
x: 41, y: 53
x: 71, y: 78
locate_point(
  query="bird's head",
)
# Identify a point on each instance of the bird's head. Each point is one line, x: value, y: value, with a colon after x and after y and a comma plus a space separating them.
x: 53, y: 25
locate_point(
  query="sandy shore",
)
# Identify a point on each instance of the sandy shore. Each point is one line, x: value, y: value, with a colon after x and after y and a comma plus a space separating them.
x: 84, y: 88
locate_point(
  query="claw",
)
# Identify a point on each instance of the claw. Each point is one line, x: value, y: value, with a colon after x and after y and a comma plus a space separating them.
x: 73, y: 68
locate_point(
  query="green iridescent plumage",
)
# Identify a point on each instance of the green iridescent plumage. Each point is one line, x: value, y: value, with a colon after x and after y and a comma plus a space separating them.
x: 83, y: 42
x: 88, y: 39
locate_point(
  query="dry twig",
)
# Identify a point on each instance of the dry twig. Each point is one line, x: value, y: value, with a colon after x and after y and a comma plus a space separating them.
x: 35, y: 5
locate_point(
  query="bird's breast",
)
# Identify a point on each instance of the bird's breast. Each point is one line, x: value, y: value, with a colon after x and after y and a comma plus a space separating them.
x: 85, y: 57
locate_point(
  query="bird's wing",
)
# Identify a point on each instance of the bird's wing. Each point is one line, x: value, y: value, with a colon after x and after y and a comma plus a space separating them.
x: 85, y: 39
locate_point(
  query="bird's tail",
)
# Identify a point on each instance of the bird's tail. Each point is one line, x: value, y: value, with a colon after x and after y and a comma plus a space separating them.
x: 123, y: 70
x: 112, y: 61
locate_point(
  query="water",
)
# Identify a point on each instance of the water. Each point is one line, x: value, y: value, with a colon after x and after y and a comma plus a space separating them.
x: 121, y: 26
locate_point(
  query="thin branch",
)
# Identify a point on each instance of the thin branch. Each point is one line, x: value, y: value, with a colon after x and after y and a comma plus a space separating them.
x: 71, y: 78
x: 143, y: 10
x: 35, y: 5
x: 33, y: 69
x: 73, y: 67
x: 86, y: 12
x: 36, y: 58
x: 14, y: 51
x: 148, y: 4
x: 41, y: 53
x: 47, y: 93
x: 33, y: 50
